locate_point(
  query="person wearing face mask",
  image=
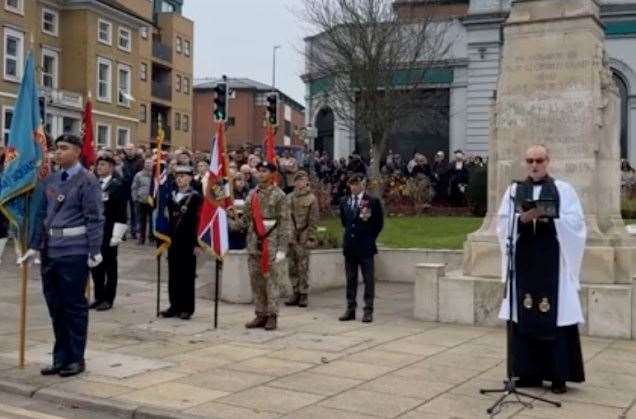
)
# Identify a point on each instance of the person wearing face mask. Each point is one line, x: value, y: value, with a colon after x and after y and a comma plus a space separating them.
x: 114, y: 200
x: 70, y: 226
x: 549, y: 232
x: 267, y: 226
x: 183, y: 210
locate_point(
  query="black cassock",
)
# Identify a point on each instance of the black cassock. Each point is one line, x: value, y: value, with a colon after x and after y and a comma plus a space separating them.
x: 182, y: 263
x: 541, y: 349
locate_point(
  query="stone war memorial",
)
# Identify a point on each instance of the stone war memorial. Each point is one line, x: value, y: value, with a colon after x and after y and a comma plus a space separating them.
x: 555, y: 88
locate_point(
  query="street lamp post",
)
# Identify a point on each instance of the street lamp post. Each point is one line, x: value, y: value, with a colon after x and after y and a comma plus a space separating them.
x: 276, y: 47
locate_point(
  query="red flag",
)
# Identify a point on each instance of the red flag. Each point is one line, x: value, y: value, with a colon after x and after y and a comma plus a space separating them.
x: 88, y: 153
x: 261, y: 233
x: 270, y: 154
x: 212, y: 230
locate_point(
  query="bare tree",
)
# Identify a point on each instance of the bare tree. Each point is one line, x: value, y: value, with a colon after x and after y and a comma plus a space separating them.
x: 374, y: 65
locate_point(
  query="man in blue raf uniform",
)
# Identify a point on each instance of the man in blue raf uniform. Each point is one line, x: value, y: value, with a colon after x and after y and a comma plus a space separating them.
x: 69, y: 236
x: 362, y: 219
x: 114, y: 201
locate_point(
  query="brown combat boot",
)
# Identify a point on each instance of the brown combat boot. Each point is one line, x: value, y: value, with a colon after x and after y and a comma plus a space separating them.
x: 302, y: 301
x: 293, y: 299
x: 271, y: 323
x: 259, y: 321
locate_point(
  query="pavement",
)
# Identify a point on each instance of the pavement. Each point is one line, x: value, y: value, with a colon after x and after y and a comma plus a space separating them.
x: 312, y: 367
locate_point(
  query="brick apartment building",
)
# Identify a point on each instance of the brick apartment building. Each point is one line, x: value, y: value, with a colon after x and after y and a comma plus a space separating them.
x: 247, y: 102
x: 133, y: 56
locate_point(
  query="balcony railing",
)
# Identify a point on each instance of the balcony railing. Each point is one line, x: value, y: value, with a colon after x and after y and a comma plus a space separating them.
x: 161, y: 51
x: 166, y: 132
x: 162, y: 90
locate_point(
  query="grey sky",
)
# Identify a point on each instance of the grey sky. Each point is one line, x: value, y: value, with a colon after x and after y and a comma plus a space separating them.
x: 235, y: 37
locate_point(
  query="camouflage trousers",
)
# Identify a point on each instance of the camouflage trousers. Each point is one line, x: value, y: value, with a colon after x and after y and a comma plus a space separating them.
x: 266, y: 289
x: 299, y: 268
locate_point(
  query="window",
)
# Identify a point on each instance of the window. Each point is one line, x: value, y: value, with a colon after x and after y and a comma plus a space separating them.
x: 143, y: 71
x: 123, y: 136
x: 125, y: 39
x: 104, y: 80
x: 185, y: 123
x: 49, y: 68
x: 13, y: 54
x: 16, y: 6
x: 177, y: 121
x: 178, y: 84
x: 124, y: 96
x: 167, y: 7
x: 49, y: 21
x: 7, y: 116
x: 142, y: 113
x: 103, y: 135
x: 179, y: 46
x: 104, y: 31
x: 186, y: 48
x: 186, y: 85
x: 288, y: 131
x: 143, y: 31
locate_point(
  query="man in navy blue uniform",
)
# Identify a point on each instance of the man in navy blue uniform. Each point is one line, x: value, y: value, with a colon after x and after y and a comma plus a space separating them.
x: 362, y: 219
x: 70, y: 224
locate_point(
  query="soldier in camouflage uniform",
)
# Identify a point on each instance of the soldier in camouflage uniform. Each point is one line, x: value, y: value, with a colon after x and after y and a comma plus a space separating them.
x: 267, y: 226
x: 303, y: 206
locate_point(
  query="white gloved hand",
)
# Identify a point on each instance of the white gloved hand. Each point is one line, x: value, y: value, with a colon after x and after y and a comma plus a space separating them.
x: 119, y: 229
x: 94, y: 260
x: 279, y: 256
x: 28, y: 256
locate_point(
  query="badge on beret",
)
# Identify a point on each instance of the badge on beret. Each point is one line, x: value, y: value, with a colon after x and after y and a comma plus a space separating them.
x: 544, y: 306
x: 60, y: 198
x: 527, y: 301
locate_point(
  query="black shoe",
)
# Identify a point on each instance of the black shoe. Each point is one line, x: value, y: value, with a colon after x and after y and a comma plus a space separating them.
x: 367, y: 317
x: 302, y: 301
x: 350, y: 314
x: 72, y: 369
x: 185, y: 316
x: 167, y: 313
x: 51, y: 370
x: 293, y: 300
x: 94, y: 304
x: 527, y: 382
x: 559, y: 387
x: 104, y: 306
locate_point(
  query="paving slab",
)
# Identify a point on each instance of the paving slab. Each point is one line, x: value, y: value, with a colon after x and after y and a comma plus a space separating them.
x: 271, y: 399
x: 372, y: 403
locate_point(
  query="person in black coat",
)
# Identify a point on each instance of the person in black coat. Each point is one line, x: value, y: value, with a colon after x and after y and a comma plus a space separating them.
x: 183, y: 211
x: 458, y: 176
x: 114, y: 198
x: 362, y: 219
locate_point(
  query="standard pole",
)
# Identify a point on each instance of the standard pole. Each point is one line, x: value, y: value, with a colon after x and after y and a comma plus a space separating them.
x: 22, y: 321
x: 216, y: 292
x: 158, y: 284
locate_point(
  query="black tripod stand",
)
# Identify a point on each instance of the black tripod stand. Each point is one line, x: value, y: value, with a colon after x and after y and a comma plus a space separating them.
x: 510, y: 386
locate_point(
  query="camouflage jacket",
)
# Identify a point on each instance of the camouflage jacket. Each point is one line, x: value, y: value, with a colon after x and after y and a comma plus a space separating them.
x: 276, y: 210
x: 305, y: 214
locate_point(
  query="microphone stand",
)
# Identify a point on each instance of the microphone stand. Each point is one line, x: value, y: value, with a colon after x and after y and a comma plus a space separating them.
x: 510, y: 383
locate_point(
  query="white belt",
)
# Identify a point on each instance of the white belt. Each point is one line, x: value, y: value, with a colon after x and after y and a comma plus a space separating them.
x: 67, y: 232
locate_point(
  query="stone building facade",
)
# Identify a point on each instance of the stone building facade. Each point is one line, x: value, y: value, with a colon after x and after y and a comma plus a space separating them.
x: 133, y: 57
x: 469, y: 76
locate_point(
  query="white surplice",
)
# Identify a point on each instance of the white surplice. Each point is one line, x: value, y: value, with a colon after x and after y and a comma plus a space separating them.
x: 571, y: 234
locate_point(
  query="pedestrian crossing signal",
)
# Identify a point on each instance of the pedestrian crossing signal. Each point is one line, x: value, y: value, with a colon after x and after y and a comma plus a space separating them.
x: 220, y: 102
x: 272, y: 109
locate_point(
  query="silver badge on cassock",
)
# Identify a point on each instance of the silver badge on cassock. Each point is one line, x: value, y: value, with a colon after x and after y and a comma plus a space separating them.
x: 60, y: 198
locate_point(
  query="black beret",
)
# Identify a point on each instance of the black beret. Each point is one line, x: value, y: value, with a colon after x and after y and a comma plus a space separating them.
x: 70, y: 139
x: 266, y: 165
x: 108, y: 157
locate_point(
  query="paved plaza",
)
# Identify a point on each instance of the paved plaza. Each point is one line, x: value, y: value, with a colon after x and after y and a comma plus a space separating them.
x: 312, y: 367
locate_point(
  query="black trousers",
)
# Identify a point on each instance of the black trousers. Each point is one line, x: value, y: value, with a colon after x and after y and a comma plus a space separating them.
x: 64, y: 284
x: 366, y: 266
x: 105, y: 276
x: 182, y: 266
x: 144, y: 221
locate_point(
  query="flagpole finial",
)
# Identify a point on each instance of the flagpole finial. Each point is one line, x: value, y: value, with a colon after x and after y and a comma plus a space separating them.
x: 90, y: 95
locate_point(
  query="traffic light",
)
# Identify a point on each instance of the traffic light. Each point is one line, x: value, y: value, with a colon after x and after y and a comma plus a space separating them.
x: 220, y: 101
x: 272, y: 109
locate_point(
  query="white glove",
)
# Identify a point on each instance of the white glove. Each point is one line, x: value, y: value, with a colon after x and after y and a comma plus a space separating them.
x: 119, y: 230
x: 28, y: 256
x: 94, y: 260
x: 279, y: 256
